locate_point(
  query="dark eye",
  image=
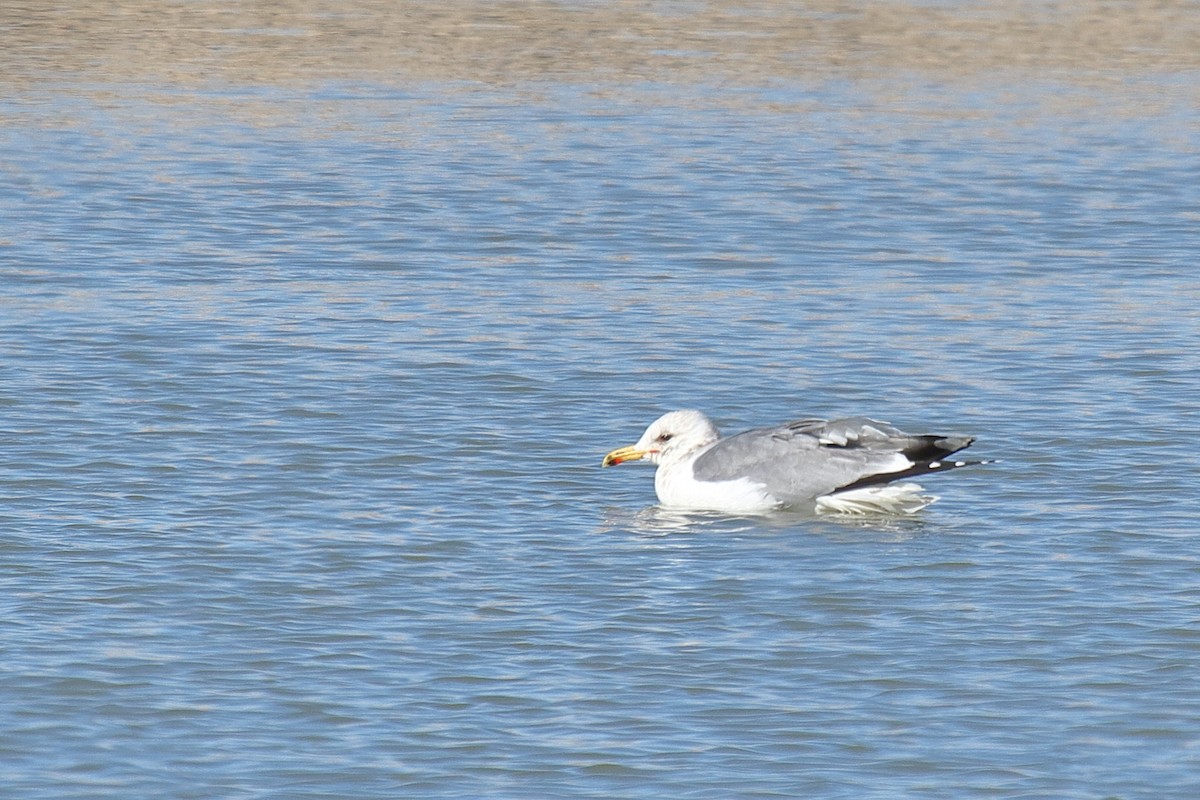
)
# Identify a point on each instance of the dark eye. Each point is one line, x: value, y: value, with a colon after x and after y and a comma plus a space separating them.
x: 665, y: 437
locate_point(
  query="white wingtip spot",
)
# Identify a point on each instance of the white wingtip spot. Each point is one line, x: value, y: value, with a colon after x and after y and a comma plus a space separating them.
x: 934, y: 464
x: 960, y: 463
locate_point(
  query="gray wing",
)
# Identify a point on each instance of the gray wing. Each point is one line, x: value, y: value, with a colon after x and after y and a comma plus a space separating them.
x: 812, y: 457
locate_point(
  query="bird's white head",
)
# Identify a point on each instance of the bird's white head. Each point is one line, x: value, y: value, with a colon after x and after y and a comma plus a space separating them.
x: 670, y: 437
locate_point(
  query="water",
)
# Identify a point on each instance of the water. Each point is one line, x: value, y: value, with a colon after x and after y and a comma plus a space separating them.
x: 309, y: 364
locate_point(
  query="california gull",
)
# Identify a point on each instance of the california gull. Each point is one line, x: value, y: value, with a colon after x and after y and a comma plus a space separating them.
x: 846, y: 465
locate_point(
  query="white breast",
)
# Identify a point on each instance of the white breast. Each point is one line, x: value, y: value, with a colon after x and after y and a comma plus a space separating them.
x: 676, y: 487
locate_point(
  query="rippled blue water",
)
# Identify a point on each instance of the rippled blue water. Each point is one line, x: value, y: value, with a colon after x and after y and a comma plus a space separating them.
x: 304, y: 392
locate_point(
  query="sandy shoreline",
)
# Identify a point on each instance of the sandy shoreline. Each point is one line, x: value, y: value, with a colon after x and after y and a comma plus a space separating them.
x: 505, y: 42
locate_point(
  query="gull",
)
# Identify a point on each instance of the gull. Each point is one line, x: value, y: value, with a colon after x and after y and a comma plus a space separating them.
x: 846, y: 465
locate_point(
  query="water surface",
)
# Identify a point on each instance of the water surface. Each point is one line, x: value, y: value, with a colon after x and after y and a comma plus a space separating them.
x: 315, y: 327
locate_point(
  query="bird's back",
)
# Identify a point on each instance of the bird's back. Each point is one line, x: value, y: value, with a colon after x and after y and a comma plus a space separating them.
x: 808, y: 458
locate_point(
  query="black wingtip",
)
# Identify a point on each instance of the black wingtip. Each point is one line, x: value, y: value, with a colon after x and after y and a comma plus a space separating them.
x: 915, y: 471
x: 924, y: 449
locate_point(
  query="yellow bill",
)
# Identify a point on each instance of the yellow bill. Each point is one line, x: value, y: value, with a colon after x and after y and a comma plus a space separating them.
x: 621, y: 455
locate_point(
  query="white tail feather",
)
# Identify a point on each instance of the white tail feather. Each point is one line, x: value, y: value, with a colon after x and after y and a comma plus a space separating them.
x: 892, y: 498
